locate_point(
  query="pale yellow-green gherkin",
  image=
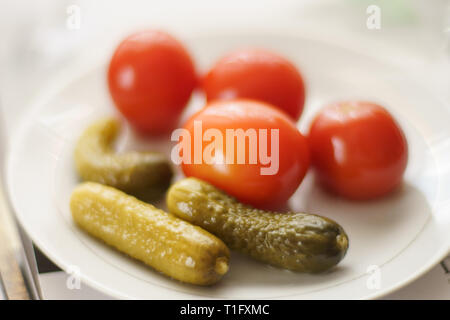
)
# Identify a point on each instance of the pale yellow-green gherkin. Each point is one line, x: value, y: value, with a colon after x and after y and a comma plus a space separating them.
x: 161, y: 240
x: 145, y: 175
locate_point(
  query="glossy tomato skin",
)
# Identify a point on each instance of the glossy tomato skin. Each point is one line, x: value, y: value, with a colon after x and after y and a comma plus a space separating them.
x: 151, y: 77
x: 245, y: 181
x: 358, y: 150
x: 259, y: 75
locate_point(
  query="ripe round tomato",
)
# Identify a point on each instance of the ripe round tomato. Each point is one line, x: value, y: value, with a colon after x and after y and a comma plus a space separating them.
x: 259, y: 75
x: 151, y: 77
x: 263, y: 168
x: 358, y: 150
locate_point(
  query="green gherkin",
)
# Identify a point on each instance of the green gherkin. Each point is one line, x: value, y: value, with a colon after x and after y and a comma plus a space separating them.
x: 159, y: 239
x: 295, y: 241
x: 145, y: 175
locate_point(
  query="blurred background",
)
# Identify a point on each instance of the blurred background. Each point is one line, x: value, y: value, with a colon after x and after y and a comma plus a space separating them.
x: 41, y: 38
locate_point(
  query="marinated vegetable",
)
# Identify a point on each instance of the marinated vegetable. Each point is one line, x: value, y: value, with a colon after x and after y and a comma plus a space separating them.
x: 295, y: 241
x: 358, y: 150
x: 280, y: 156
x: 260, y: 75
x: 151, y: 77
x: 142, y: 174
x: 159, y: 239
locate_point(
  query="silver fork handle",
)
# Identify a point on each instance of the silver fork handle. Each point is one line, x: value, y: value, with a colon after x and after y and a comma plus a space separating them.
x: 18, y: 270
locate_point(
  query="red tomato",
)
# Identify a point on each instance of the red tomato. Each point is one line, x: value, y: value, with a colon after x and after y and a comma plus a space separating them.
x: 151, y: 77
x: 259, y: 75
x: 287, y: 151
x: 358, y: 150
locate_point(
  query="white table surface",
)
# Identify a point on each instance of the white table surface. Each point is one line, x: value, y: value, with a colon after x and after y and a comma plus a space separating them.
x: 433, y: 285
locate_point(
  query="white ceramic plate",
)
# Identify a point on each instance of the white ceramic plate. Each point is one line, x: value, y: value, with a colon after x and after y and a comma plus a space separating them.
x: 392, y: 241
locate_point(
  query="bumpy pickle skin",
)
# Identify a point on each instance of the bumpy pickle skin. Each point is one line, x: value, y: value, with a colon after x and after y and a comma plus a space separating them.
x: 145, y: 175
x: 159, y: 239
x: 295, y: 241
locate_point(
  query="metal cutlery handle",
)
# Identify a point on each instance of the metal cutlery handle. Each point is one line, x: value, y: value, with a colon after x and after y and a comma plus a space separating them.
x: 18, y: 271
x: 13, y: 283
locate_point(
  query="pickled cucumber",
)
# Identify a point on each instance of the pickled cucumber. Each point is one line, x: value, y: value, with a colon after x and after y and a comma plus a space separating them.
x: 168, y: 244
x: 295, y: 241
x: 145, y: 175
